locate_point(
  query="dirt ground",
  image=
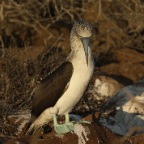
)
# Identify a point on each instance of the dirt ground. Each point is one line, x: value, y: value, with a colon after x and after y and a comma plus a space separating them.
x: 34, y: 39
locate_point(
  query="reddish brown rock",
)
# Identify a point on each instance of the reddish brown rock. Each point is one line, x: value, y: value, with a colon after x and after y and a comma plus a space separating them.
x: 98, y: 134
x: 128, y: 66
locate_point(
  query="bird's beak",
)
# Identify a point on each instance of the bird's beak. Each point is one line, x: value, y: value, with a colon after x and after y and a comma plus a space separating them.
x: 85, y: 42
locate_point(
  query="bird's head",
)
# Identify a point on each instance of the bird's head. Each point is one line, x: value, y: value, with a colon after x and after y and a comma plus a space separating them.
x: 83, y: 31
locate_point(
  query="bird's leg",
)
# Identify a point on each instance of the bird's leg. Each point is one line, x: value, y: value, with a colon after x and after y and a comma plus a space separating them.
x: 63, y: 128
x: 67, y: 119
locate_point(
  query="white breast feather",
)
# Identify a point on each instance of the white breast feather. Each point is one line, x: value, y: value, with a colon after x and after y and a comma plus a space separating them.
x: 81, y: 76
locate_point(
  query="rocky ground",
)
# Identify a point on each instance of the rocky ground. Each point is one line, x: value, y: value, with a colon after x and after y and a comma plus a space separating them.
x: 35, y: 39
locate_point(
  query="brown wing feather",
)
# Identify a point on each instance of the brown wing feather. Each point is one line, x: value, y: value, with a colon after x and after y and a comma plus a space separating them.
x: 51, y: 88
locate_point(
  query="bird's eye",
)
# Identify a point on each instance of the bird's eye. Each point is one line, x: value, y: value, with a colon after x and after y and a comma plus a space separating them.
x: 82, y: 27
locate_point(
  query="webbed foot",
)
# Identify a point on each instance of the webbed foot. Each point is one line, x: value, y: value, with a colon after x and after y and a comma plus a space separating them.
x: 63, y: 128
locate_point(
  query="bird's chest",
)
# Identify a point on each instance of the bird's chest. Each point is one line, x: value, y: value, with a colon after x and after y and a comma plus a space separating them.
x: 81, y: 68
x: 76, y: 89
x: 80, y: 78
x: 82, y: 73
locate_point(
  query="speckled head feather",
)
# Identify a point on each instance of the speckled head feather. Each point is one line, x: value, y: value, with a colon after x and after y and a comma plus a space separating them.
x: 83, y: 28
x: 80, y: 37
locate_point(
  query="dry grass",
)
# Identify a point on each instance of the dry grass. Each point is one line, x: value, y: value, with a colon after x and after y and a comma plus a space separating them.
x: 120, y: 24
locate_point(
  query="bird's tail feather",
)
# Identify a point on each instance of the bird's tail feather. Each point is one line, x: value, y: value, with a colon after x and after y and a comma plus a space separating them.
x: 44, y: 118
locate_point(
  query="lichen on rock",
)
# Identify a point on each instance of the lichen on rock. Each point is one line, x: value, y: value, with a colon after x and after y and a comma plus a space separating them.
x: 82, y: 133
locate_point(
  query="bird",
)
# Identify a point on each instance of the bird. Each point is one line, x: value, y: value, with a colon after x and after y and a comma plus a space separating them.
x: 60, y: 91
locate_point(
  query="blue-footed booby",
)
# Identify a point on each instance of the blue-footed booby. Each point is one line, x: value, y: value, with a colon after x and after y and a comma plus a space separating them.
x: 63, y: 88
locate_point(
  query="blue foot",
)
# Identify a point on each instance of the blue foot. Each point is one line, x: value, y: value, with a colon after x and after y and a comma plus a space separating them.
x: 63, y: 128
